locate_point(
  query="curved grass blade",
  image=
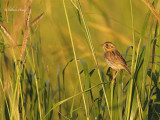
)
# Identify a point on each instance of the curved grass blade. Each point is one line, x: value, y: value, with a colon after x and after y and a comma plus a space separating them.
x: 75, y: 56
x: 90, y: 42
x: 87, y: 81
x: 67, y: 99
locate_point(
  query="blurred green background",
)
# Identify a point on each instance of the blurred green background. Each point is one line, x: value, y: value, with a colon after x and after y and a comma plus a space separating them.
x: 108, y: 20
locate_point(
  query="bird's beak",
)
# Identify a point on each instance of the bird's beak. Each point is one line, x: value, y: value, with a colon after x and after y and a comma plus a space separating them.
x: 102, y: 45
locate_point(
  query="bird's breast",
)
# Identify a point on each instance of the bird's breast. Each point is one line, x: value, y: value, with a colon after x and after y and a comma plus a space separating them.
x: 110, y: 60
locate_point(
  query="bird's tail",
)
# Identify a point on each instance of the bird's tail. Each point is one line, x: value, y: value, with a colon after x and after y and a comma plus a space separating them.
x: 128, y: 70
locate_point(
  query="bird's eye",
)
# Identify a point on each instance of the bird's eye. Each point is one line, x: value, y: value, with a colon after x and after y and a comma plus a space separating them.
x: 107, y: 46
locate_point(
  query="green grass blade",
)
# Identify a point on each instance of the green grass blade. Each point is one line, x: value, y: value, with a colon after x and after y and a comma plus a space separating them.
x: 89, y: 40
x: 112, y: 92
x: 129, y: 100
x: 87, y: 83
x: 75, y: 57
x: 59, y: 89
x: 35, y: 77
x: 67, y: 99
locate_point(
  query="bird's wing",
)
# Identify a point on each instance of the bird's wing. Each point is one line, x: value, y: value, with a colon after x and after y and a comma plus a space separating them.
x: 118, y: 58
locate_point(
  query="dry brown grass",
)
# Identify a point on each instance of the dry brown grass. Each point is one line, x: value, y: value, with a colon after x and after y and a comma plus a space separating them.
x: 26, y: 30
x: 152, y: 9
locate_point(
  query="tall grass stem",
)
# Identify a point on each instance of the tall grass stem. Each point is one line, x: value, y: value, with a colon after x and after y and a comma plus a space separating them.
x: 75, y: 57
x: 132, y: 67
x: 93, y: 53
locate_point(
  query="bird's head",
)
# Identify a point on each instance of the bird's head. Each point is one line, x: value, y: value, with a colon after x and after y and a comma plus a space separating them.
x: 108, y: 46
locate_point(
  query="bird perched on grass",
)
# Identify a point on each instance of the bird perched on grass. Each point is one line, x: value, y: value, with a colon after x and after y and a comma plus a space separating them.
x: 114, y: 58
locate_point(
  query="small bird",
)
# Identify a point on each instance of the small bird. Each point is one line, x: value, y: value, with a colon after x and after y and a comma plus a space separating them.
x: 114, y: 58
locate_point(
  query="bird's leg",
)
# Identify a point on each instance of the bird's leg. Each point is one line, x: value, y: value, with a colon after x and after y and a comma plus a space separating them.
x: 115, y: 76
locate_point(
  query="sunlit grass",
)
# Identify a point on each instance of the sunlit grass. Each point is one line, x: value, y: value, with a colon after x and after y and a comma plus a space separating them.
x: 52, y: 65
